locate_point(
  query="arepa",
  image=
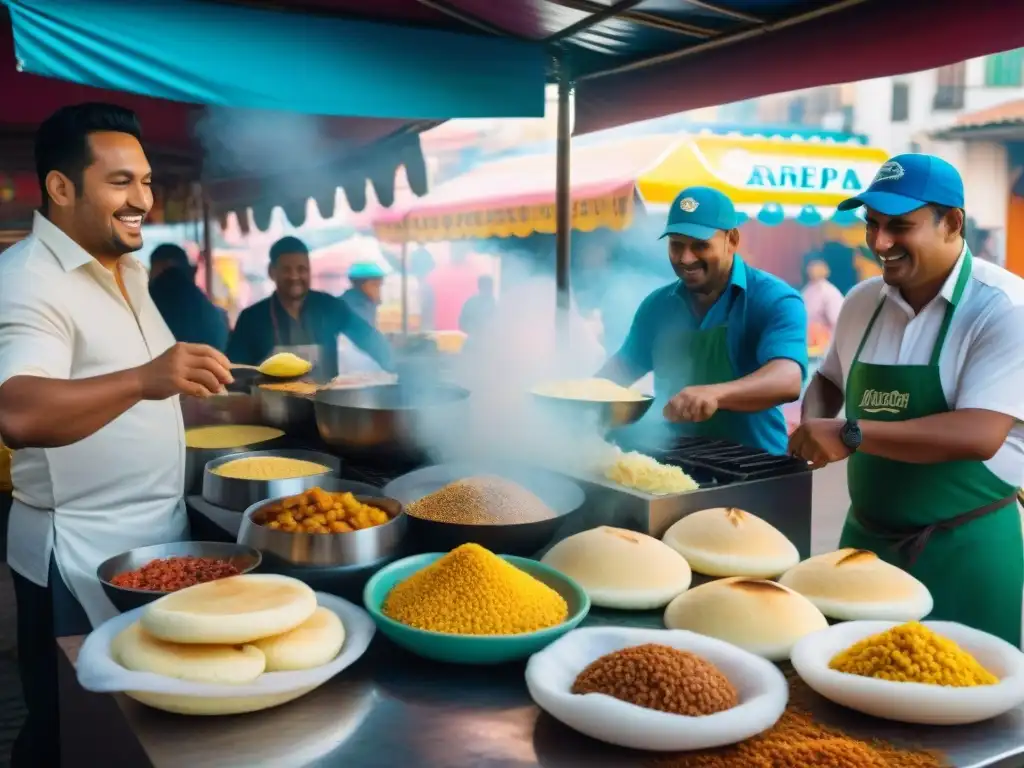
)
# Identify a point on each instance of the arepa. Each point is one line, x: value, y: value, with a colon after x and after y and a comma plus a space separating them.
x: 855, y: 584
x: 726, y: 541
x: 756, y: 615
x: 621, y: 569
x: 313, y: 643
x: 235, y: 610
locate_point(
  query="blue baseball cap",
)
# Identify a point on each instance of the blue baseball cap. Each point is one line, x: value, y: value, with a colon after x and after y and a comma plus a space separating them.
x: 365, y: 270
x: 700, y: 212
x: 908, y: 182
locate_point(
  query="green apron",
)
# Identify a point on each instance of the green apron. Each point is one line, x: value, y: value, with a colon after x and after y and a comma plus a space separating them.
x: 955, y: 525
x: 690, y: 359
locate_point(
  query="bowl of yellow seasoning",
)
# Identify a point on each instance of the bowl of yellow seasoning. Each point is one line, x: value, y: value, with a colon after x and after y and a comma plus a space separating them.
x: 239, y: 480
x: 470, y: 606
x: 209, y: 442
x: 927, y: 673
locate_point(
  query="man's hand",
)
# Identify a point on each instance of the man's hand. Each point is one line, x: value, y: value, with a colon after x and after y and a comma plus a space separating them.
x: 693, y: 404
x: 817, y: 441
x: 185, y: 369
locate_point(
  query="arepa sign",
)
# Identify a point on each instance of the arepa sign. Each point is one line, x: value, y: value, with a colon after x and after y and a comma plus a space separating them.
x: 795, y: 173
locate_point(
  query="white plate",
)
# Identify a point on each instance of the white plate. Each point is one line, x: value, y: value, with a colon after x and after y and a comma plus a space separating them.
x: 98, y: 672
x: 550, y: 675
x: 913, y: 702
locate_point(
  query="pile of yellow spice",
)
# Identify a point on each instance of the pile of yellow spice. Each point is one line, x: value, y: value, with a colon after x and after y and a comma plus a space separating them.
x: 912, y: 653
x: 471, y: 591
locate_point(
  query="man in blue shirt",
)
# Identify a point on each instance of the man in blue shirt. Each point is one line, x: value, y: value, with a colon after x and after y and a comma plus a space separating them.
x: 299, y: 320
x: 364, y: 296
x: 727, y: 342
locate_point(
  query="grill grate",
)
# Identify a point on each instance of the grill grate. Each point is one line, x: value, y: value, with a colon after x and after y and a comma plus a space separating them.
x: 727, y: 462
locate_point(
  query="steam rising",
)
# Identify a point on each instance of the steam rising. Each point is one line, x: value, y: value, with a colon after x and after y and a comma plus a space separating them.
x: 519, y: 349
x: 257, y: 143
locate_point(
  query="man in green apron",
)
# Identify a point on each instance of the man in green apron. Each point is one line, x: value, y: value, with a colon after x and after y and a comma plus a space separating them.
x: 727, y: 342
x: 929, y: 360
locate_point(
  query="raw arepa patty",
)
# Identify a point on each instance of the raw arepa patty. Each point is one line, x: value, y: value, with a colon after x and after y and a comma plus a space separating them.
x: 621, y: 569
x: 313, y: 643
x: 238, y: 609
x: 137, y: 650
x: 726, y: 541
x: 757, y: 615
x: 854, y: 584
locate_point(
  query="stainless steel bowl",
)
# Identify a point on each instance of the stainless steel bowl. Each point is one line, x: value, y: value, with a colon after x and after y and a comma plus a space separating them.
x: 238, y: 495
x: 245, y: 558
x: 603, y: 414
x: 319, y: 550
x: 197, y: 458
x: 286, y: 410
x: 392, y: 421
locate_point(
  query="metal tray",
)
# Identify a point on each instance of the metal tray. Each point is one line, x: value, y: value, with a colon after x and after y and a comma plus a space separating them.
x: 239, y: 495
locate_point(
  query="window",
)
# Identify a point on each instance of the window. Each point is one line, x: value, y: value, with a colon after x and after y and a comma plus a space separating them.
x: 1005, y: 70
x: 950, y: 86
x: 900, y: 102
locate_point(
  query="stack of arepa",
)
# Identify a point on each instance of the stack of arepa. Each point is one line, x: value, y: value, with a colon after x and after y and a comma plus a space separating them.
x: 742, y: 606
x: 229, y: 632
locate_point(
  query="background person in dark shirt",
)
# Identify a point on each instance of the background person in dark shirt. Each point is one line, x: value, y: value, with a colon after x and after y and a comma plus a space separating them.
x: 190, y: 315
x: 299, y: 320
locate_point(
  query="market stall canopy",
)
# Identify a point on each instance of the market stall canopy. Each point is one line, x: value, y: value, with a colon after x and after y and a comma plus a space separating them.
x: 238, y: 154
x: 631, y: 59
x: 770, y: 179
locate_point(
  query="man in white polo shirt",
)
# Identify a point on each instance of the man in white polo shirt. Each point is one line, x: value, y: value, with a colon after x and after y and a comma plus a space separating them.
x: 89, y: 379
x: 929, y: 359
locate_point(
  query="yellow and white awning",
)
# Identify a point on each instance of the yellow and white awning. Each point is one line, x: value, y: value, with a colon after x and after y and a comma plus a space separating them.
x: 770, y: 179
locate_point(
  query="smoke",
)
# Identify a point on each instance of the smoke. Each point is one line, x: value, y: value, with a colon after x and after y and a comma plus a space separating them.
x: 517, y: 349
x: 250, y: 142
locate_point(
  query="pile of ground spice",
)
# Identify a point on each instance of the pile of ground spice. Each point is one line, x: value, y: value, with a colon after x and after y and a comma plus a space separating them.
x: 483, y: 500
x: 912, y: 653
x: 472, y: 591
x: 797, y: 741
x: 659, y: 677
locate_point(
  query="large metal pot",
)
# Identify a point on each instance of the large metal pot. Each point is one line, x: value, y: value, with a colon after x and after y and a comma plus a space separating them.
x: 393, y: 421
x: 289, y: 411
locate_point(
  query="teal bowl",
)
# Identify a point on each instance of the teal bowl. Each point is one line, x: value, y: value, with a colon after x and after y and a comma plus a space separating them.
x: 472, y: 649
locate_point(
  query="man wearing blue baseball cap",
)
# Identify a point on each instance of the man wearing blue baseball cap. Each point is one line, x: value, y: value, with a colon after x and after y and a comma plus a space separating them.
x: 929, y: 360
x: 367, y: 279
x: 727, y: 342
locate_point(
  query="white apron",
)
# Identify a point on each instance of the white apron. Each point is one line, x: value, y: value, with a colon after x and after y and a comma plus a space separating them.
x: 83, y: 540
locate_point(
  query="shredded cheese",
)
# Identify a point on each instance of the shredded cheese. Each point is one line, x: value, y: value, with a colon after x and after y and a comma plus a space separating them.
x: 636, y: 470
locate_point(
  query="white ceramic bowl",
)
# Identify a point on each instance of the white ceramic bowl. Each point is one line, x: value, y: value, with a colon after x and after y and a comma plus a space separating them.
x: 550, y: 675
x: 918, y: 703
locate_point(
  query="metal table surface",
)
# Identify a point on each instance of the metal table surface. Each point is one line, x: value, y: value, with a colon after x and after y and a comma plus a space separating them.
x: 392, y: 708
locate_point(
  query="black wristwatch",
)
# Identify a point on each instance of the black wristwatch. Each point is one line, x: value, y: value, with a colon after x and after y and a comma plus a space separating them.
x: 851, y: 435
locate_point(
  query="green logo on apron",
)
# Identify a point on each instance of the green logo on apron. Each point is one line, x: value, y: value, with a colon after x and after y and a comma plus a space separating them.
x: 873, y: 401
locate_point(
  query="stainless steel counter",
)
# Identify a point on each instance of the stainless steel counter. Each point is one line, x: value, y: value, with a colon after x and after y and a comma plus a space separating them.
x: 394, y: 709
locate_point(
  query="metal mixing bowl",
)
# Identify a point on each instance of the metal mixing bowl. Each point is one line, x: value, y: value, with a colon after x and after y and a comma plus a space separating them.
x: 245, y: 558
x: 321, y: 550
x: 235, y: 494
x: 196, y: 459
x: 391, y: 421
x: 286, y: 410
x: 559, y: 494
x: 603, y: 414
